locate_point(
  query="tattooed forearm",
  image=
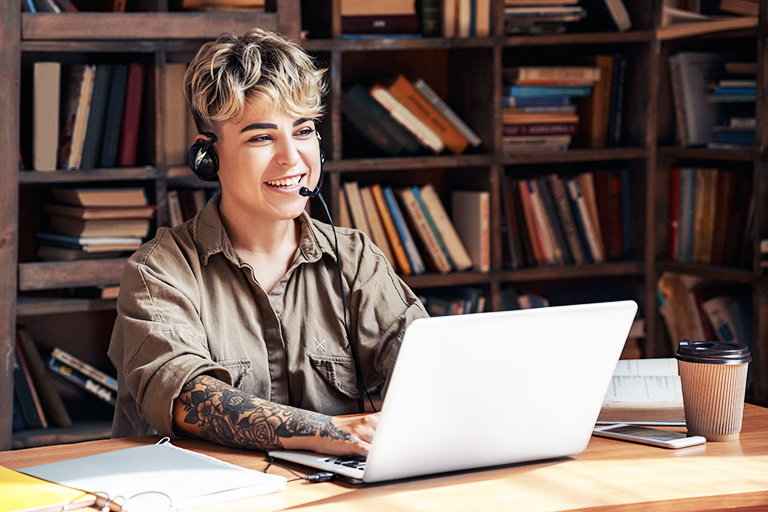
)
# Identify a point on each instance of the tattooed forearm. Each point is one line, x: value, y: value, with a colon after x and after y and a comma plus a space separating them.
x: 229, y: 416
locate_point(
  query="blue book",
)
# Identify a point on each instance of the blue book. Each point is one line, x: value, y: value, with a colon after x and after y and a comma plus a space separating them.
x: 734, y: 91
x: 414, y: 258
x: 536, y: 101
x: 740, y: 137
x: 685, y: 217
x: 433, y: 226
x: 527, y: 91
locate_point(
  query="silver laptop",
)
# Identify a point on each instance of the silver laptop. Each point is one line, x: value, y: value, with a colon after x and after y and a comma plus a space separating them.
x: 488, y: 389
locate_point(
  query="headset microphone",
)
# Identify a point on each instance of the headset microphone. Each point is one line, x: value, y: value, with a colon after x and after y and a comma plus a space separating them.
x: 304, y: 191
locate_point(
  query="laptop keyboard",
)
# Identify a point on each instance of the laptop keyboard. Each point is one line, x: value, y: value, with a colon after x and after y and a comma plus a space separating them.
x: 353, y: 462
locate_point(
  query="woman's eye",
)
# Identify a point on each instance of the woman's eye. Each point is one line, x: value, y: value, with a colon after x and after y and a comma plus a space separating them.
x: 259, y: 138
x: 305, y: 132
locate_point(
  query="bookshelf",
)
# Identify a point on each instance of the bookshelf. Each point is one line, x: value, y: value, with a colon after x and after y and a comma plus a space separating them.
x: 466, y: 72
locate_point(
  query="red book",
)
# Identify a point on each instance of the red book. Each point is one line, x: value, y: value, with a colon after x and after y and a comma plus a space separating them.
x: 673, y: 208
x: 129, y: 134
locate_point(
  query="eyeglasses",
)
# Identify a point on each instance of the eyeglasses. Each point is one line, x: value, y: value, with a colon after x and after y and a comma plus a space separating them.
x: 148, y: 501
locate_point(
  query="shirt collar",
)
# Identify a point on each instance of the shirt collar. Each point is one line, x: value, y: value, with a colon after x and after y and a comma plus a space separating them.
x: 211, y: 238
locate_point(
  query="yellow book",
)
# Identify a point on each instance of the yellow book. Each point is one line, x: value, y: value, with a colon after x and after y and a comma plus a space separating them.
x: 24, y: 493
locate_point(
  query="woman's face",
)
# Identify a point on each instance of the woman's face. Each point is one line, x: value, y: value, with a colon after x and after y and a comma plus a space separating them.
x: 265, y: 158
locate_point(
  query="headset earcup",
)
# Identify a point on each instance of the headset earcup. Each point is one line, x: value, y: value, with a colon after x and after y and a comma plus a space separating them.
x: 208, y: 166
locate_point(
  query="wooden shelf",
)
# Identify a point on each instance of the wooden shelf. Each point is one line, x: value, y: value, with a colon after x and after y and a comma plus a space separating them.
x: 51, y: 275
x: 77, y: 433
x: 38, y: 306
x: 122, y: 174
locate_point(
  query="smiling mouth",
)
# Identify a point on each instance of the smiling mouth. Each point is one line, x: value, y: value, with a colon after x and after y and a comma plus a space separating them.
x: 285, y: 183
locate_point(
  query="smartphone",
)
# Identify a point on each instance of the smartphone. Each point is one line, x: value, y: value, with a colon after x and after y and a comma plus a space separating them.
x: 647, y: 435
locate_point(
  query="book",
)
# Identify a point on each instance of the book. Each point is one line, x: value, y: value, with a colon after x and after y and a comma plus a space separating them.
x: 97, y: 117
x: 594, y: 110
x: 673, y: 212
x: 82, y: 381
x: 129, y: 131
x: 552, y: 219
x: 366, y: 7
x: 435, y: 250
x: 75, y: 108
x: 685, y: 219
x: 45, y: 106
x: 644, y: 391
x: 402, y: 89
x: 375, y: 224
x: 615, y: 137
x: 375, y: 123
x: 409, y: 245
x: 425, y: 135
x: 423, y: 87
x: 175, y: 216
x: 741, y: 7
x: 563, y: 207
x: 552, y: 75
x: 525, y: 91
x: 20, y: 492
x: 99, y: 196
x: 176, y: 139
x: 677, y: 306
x: 160, y: 467
x: 705, y: 193
x: 25, y: 392
x: 344, y: 220
x: 448, y: 18
x: 583, y: 220
x: 100, y: 212
x: 431, y: 201
x: 396, y: 244
x: 538, y: 129
x: 56, y: 253
x: 85, y: 368
x: 690, y: 73
x: 380, y: 24
x: 356, y: 207
x: 605, y: 15
x: 110, y: 143
x: 587, y: 185
x: 89, y: 243
x: 51, y: 400
x: 470, y: 211
x: 100, y: 227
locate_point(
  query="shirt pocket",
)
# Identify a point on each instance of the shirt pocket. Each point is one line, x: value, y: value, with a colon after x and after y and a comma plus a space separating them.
x: 338, y: 371
x: 238, y: 370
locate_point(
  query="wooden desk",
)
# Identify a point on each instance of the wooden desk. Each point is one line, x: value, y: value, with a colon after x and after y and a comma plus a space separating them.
x: 609, y: 475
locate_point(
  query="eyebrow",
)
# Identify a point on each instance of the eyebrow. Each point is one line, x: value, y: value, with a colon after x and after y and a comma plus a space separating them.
x: 270, y: 126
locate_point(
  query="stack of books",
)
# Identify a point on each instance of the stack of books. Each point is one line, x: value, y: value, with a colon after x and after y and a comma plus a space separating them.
x: 735, y: 95
x: 539, y: 113
x: 410, y: 225
x: 557, y: 221
x: 540, y: 16
x: 462, y: 301
x: 394, y: 18
x: 399, y: 116
x: 99, y: 111
x: 95, y: 223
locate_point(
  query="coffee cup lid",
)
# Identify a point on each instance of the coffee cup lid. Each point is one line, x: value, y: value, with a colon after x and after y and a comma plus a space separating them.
x: 713, y: 352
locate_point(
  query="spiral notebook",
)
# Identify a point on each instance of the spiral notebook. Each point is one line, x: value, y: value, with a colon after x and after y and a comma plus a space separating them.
x: 187, y: 478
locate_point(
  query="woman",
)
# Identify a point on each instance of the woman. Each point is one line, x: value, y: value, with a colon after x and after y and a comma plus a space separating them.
x: 231, y: 326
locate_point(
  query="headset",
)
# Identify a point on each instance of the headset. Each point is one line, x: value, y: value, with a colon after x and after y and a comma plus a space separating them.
x: 205, y: 164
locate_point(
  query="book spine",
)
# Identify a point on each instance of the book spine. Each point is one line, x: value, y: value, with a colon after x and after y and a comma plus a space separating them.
x: 134, y: 96
x: 471, y: 214
x: 552, y: 74
x: 686, y: 217
x: 389, y: 226
x: 85, y: 368
x: 424, y: 230
x: 46, y: 101
x: 560, y: 198
x: 34, y: 416
x: 532, y: 225
x: 531, y: 129
x: 616, y: 110
x: 429, y: 17
x: 384, y: 24
x: 375, y: 223
x: 414, y: 259
x: 111, y: 143
x: 529, y: 91
x: 433, y: 226
x: 553, y: 220
x: 423, y: 87
x: 81, y: 380
x: 584, y: 220
x: 81, y: 118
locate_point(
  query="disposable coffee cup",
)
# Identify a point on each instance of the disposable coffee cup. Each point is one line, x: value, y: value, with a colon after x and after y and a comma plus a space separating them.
x: 713, y: 376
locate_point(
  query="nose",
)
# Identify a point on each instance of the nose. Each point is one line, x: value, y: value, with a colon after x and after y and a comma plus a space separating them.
x: 288, y: 152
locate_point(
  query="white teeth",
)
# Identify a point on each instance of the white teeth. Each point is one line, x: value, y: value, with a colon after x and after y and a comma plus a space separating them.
x: 288, y: 182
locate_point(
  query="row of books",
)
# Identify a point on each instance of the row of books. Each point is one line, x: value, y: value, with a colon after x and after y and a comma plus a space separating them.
x: 412, y: 227
x: 423, y: 18
x: 185, y: 202
x: 95, y: 223
x: 695, y: 308
x: 557, y: 16
x: 714, y: 98
x: 547, y: 108
x: 400, y: 116
x: 37, y: 403
x: 555, y: 221
x: 710, y: 212
x: 92, y: 121
x: 462, y: 301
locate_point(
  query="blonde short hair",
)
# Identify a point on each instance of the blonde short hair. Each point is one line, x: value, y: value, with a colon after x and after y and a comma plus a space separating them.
x: 233, y: 70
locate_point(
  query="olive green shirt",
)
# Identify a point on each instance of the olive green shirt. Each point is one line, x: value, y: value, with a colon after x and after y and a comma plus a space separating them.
x: 189, y: 305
